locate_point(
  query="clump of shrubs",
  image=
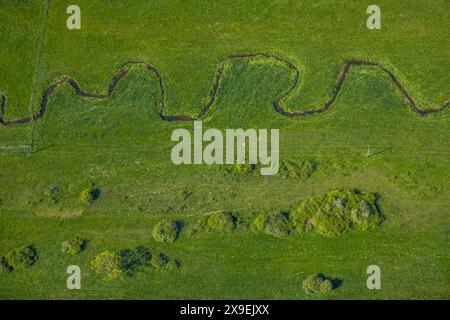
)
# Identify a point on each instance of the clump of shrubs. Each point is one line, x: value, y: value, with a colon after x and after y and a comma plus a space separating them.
x: 335, y: 213
x: 132, y: 260
x: 90, y: 194
x: 290, y: 168
x: 276, y: 224
x: 166, y: 231
x: 343, y: 210
x: 220, y: 221
x: 317, y: 283
x: 127, y: 262
x: 161, y: 261
x: 108, y: 264
x: 74, y: 246
x: 19, y: 258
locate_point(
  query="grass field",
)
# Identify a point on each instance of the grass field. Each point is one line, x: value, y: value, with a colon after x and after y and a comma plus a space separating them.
x: 122, y: 145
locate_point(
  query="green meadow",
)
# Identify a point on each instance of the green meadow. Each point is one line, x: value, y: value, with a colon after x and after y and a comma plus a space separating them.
x: 122, y: 147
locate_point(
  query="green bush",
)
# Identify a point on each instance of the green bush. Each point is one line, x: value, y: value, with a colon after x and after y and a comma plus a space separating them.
x: 108, y: 264
x: 296, y: 169
x: 166, y: 231
x: 90, y: 194
x: 221, y: 221
x: 317, y: 283
x: 277, y: 224
x: 132, y: 260
x: 20, y: 258
x: 74, y: 246
x: 331, y: 224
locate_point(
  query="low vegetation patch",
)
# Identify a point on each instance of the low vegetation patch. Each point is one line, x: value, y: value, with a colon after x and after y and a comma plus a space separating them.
x: 53, y: 193
x: 338, y: 212
x: 132, y: 260
x: 276, y: 224
x: 238, y: 169
x: 290, y: 168
x: 161, y: 261
x: 19, y: 258
x: 108, y: 264
x: 127, y: 262
x: 220, y: 221
x: 90, y: 194
x: 74, y: 246
x: 332, y: 214
x: 317, y: 283
x: 167, y: 231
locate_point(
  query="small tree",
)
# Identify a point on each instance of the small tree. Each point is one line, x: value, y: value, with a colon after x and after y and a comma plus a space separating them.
x: 223, y: 221
x: 74, y: 246
x: 317, y: 283
x: 166, y: 231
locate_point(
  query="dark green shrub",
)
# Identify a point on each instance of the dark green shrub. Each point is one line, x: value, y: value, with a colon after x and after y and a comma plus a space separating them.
x: 132, y: 260
x: 277, y: 224
x: 191, y: 228
x: 331, y: 224
x: 163, y: 262
x: 74, y: 246
x: 221, y: 221
x: 317, y: 283
x: 20, y: 258
x: 90, y: 194
x: 166, y: 231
